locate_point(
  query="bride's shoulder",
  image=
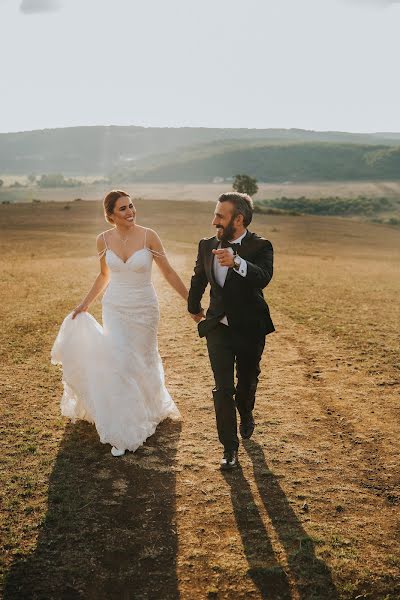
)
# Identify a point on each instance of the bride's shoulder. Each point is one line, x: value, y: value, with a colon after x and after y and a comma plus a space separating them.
x: 105, y: 233
x: 153, y: 242
x: 151, y: 234
x: 101, y: 239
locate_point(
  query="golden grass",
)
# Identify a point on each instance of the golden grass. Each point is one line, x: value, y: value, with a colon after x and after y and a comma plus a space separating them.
x: 310, y: 515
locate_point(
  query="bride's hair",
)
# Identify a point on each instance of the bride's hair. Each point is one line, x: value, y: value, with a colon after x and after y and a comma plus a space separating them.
x: 109, y: 203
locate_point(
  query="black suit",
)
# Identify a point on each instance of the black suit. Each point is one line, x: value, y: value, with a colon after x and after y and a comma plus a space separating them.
x: 241, y: 300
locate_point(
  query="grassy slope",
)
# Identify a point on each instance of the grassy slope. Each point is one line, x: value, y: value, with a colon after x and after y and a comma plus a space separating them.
x: 88, y: 150
x: 273, y: 162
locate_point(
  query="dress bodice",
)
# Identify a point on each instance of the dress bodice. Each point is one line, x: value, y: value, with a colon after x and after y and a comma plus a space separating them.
x: 136, y: 271
x: 130, y: 283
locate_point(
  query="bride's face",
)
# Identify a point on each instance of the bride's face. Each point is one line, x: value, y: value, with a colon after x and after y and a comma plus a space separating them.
x: 124, y: 213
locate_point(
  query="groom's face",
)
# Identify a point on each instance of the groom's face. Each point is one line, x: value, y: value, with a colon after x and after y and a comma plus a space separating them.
x: 223, y: 221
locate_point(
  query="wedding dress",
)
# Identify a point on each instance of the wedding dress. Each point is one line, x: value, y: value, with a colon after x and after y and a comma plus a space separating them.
x: 113, y: 375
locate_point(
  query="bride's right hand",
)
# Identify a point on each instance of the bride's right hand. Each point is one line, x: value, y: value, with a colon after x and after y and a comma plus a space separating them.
x: 80, y: 308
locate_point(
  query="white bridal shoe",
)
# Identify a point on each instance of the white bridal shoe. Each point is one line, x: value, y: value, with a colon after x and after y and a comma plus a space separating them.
x: 116, y: 452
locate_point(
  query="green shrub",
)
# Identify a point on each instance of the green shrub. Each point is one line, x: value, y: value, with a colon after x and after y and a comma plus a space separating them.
x: 362, y: 205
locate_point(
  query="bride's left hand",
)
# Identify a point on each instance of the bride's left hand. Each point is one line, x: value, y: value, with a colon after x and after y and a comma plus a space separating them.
x: 80, y: 308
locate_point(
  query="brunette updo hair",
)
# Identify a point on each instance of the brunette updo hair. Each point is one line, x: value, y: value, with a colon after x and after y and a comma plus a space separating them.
x: 109, y: 203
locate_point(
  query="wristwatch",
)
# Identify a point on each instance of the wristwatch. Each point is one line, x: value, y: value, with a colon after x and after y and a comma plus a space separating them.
x: 236, y: 262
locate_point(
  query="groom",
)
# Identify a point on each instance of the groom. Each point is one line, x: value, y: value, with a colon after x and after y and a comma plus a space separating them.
x: 238, y: 265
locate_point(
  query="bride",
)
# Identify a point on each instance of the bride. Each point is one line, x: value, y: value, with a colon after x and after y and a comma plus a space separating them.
x: 113, y: 375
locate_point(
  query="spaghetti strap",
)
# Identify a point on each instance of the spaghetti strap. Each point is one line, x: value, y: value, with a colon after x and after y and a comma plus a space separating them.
x: 154, y: 252
x: 103, y: 252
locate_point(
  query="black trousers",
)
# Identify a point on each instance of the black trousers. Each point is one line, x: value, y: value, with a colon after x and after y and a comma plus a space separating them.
x: 224, y: 349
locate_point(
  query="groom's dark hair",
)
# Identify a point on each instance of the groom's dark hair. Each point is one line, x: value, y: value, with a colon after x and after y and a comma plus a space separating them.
x: 242, y: 205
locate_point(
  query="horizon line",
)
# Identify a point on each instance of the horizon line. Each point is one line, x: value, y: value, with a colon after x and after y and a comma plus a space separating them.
x: 343, y: 131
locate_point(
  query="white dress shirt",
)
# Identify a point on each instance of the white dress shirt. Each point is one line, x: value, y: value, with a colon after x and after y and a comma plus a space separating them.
x: 220, y: 272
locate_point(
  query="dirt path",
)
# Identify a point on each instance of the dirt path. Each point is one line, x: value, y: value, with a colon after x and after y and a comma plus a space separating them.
x: 316, y: 479
x: 310, y: 514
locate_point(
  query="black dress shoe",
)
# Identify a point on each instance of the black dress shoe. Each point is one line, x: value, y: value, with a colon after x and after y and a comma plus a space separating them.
x: 229, y: 460
x: 246, y: 427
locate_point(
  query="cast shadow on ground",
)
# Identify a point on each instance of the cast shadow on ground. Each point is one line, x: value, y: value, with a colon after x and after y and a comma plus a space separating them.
x: 264, y: 568
x: 109, y: 531
x: 308, y: 574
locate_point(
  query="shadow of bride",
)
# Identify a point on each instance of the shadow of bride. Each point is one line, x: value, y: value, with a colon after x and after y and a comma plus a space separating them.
x: 109, y: 531
x: 310, y: 575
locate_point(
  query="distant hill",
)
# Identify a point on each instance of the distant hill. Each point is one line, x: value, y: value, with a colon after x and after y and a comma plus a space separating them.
x: 271, y: 163
x: 101, y: 150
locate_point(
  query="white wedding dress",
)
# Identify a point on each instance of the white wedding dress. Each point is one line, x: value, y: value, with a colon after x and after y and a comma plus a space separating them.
x: 113, y: 375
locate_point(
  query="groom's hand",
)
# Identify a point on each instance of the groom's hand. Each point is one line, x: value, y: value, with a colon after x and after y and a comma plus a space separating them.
x: 224, y: 256
x: 197, y: 318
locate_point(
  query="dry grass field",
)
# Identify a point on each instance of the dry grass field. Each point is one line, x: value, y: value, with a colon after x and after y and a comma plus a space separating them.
x: 310, y: 515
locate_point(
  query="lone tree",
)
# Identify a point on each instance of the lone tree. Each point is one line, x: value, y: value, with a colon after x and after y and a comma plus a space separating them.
x: 245, y: 184
x: 55, y: 180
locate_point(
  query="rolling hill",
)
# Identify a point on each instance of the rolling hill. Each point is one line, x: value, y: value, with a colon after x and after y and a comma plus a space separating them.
x: 270, y: 163
x: 101, y: 150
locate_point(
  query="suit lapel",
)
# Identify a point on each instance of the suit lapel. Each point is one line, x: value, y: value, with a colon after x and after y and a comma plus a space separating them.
x: 244, y: 246
x: 210, y: 260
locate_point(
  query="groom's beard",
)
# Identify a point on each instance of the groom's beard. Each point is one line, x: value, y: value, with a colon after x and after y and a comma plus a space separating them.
x: 228, y: 233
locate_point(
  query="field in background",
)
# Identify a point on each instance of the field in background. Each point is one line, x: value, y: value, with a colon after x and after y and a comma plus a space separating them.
x: 201, y: 192
x: 311, y: 514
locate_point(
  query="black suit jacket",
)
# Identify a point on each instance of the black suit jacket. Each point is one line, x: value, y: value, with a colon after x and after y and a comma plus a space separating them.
x: 241, y: 298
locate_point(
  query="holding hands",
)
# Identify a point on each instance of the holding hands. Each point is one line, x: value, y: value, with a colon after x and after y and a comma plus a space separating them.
x: 197, y: 318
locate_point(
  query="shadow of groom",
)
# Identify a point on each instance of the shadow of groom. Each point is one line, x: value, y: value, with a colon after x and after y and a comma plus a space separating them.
x: 306, y: 577
x: 264, y: 568
x: 109, y: 531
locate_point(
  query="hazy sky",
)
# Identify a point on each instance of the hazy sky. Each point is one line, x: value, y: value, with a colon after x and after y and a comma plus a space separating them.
x: 314, y: 64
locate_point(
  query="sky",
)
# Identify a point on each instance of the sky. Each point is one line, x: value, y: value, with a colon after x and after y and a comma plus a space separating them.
x: 310, y: 64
